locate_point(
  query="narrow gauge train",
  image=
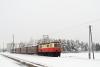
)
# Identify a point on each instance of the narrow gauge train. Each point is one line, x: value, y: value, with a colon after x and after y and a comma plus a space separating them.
x: 46, y: 49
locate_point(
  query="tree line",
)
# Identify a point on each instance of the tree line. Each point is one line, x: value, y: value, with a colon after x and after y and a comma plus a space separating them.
x: 77, y: 46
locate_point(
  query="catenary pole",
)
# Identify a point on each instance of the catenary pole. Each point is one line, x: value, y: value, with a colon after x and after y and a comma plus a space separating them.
x: 89, y: 48
x: 92, y: 45
x: 13, y: 43
x: 3, y: 46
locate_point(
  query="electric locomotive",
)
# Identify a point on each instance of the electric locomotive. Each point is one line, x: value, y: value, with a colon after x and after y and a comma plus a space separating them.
x: 49, y: 49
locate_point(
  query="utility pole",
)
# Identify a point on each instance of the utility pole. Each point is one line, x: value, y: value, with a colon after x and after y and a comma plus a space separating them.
x: 89, y: 41
x: 13, y: 44
x: 91, y: 46
x: 3, y: 46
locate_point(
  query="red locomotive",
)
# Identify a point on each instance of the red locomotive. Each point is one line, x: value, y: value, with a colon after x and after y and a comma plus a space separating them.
x: 49, y: 49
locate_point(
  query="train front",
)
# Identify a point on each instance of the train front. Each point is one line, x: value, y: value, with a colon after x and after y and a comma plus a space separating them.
x: 49, y: 49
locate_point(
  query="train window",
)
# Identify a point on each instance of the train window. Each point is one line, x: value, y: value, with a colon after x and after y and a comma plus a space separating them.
x: 48, y: 45
x: 56, y: 45
x: 40, y: 46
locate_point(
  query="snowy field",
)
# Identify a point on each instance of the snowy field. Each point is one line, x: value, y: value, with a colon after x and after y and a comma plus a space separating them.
x: 66, y: 59
x: 6, y: 62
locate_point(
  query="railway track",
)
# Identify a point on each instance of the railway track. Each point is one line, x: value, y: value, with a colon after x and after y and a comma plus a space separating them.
x: 27, y: 63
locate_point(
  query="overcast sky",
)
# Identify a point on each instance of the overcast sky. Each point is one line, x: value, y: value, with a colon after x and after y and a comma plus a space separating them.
x: 67, y: 19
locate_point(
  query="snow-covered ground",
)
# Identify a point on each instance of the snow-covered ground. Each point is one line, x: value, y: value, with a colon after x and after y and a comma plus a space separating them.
x: 6, y: 62
x: 66, y: 60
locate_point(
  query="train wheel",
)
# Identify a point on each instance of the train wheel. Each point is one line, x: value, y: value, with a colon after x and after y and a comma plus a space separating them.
x: 50, y: 54
x: 58, y: 54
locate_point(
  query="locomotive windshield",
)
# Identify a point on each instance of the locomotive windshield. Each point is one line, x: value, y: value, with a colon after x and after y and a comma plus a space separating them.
x: 56, y: 45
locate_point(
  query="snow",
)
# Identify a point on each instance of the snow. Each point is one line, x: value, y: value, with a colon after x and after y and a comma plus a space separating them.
x: 66, y: 59
x: 6, y: 62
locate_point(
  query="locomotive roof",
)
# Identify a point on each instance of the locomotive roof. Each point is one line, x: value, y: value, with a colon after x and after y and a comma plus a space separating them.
x: 48, y: 43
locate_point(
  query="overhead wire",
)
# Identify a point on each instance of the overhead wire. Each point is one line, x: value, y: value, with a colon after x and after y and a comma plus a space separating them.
x: 83, y: 26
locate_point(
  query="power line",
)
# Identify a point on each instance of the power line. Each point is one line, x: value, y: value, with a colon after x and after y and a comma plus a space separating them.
x: 84, y: 23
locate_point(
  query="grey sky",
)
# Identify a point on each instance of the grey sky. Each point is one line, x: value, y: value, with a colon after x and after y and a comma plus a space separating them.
x: 58, y: 18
